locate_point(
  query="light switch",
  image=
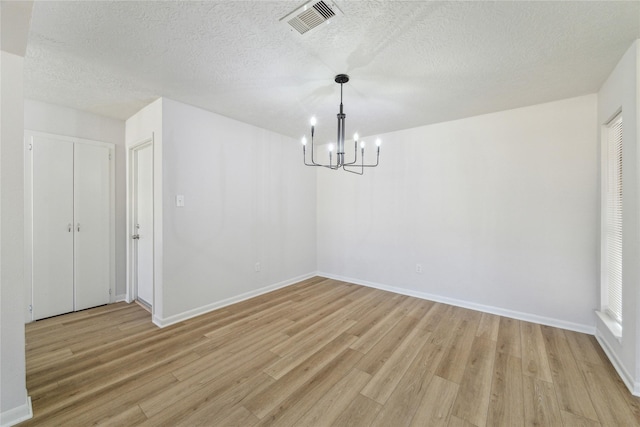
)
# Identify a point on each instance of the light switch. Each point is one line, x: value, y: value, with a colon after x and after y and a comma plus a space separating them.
x: 180, y: 200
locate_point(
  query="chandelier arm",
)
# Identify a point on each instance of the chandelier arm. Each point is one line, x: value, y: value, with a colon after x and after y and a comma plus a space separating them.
x: 305, y: 160
x: 355, y: 158
x: 304, y: 156
x: 313, y: 162
x: 371, y: 165
x: 357, y: 173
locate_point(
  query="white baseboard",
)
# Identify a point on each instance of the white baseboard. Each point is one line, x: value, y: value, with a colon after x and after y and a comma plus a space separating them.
x: 627, y: 379
x: 17, y: 415
x: 163, y: 322
x: 121, y: 298
x: 528, y: 317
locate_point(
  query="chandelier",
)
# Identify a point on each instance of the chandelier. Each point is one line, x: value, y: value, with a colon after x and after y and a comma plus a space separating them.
x: 340, y: 161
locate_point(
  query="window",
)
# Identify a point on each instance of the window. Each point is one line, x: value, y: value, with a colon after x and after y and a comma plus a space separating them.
x: 612, y: 256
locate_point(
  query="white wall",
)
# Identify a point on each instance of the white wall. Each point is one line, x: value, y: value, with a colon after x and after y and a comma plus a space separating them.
x: 621, y: 91
x: 58, y: 120
x: 14, y: 402
x: 501, y: 211
x: 248, y: 199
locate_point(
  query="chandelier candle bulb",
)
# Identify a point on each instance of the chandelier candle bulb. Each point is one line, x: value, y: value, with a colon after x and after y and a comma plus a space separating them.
x: 353, y: 166
x: 313, y: 127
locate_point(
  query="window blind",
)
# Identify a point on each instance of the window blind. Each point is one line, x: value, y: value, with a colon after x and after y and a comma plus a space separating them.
x: 614, y: 219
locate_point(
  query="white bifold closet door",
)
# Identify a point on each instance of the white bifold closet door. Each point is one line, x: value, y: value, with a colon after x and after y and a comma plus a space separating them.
x: 52, y: 228
x: 71, y: 226
x: 91, y: 205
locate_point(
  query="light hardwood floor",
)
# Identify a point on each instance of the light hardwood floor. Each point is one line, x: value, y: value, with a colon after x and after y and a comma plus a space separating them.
x: 320, y: 353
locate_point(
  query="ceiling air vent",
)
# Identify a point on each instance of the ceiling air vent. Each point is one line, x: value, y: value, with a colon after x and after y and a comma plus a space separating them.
x: 311, y: 15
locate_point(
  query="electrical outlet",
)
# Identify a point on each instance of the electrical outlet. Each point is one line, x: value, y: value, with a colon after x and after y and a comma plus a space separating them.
x: 257, y: 267
x: 419, y: 268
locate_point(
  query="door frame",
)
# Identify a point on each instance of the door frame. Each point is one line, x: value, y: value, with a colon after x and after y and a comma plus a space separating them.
x: 132, y: 285
x: 28, y: 212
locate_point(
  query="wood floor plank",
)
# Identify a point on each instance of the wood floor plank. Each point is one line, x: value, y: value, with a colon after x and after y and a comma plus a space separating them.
x: 472, y: 401
x: 330, y: 406
x: 506, y: 407
x: 305, y: 397
x: 631, y: 401
x: 426, y: 363
x: 298, y: 351
x: 454, y: 361
x: 385, y: 380
x: 229, y: 358
x: 402, y: 405
x: 585, y: 348
x: 255, y: 320
x: 104, y: 377
x: 226, y: 342
x: 116, y: 400
x: 435, y: 408
x: 384, y: 348
x: 239, y: 417
x: 509, y: 337
x: 459, y: 422
x: 131, y: 347
x: 606, y: 397
x: 540, y: 404
x: 570, y: 387
x: 129, y: 417
x: 534, y: 353
x: 488, y: 327
x: 360, y: 412
x: 376, y: 328
x: 421, y: 308
x: 572, y: 420
x: 220, y: 405
x: 188, y: 395
x: 369, y: 302
x: 314, y: 316
x: 436, y: 314
x: 263, y: 403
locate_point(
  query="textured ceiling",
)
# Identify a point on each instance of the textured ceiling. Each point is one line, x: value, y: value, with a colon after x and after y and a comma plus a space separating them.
x: 411, y: 62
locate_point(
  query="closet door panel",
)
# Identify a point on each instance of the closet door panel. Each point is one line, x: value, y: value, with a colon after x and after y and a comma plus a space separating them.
x: 52, y: 194
x: 92, y: 226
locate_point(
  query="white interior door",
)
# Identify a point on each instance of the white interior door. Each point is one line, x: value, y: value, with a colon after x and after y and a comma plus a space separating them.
x: 52, y: 256
x: 143, y: 223
x: 92, y: 225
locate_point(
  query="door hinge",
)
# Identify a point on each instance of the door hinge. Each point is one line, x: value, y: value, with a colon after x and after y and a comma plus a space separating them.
x: 30, y: 308
x: 30, y: 147
x: 109, y: 156
x: 109, y: 291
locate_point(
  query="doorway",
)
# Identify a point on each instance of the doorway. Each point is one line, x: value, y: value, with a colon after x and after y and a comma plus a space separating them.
x: 141, y: 224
